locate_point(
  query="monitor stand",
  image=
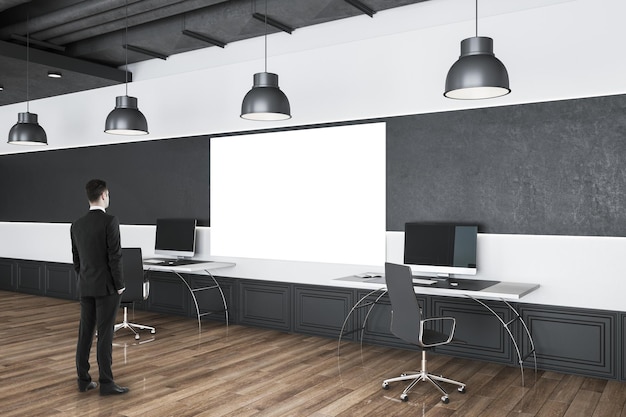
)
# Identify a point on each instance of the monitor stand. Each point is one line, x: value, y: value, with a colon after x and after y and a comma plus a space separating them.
x: 439, y: 277
x: 442, y: 277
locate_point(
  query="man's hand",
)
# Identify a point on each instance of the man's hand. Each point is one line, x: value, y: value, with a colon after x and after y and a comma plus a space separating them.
x: 120, y: 291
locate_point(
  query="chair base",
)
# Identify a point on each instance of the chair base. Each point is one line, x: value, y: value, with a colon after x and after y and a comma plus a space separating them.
x: 132, y: 326
x: 423, y: 375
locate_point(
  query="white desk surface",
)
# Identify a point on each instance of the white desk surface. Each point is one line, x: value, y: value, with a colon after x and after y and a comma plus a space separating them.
x: 507, y: 290
x: 188, y: 268
x: 500, y: 290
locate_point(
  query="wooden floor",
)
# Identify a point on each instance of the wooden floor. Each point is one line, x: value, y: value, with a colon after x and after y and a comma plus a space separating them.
x: 242, y: 371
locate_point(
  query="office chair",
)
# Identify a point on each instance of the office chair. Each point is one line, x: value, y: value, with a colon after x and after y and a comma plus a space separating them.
x: 407, y: 324
x: 137, y: 288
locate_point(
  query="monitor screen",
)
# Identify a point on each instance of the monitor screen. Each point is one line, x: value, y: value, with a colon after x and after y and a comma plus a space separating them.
x: 175, y: 237
x: 440, y: 249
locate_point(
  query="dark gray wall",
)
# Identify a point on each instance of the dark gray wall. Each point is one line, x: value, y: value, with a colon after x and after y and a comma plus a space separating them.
x: 541, y: 168
x: 147, y: 180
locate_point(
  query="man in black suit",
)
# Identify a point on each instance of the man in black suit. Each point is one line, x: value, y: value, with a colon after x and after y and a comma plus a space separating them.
x: 97, y: 256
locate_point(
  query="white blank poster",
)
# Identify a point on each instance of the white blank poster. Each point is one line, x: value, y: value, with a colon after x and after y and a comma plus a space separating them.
x: 308, y: 195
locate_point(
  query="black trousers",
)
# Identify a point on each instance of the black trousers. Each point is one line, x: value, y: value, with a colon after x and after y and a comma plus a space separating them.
x: 96, y: 313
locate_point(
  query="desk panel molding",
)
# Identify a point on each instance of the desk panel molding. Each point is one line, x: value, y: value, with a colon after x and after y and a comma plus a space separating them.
x: 622, y: 344
x: 60, y: 281
x: 377, y: 319
x: 7, y: 274
x: 266, y: 305
x: 483, y: 336
x: 320, y: 310
x: 209, y: 297
x: 574, y: 341
x: 168, y: 295
x: 30, y: 277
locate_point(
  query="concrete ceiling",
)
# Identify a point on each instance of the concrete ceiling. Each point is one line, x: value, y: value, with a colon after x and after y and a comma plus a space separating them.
x: 84, y: 40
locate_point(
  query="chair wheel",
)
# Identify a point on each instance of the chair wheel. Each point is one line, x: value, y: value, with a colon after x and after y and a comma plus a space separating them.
x: 385, y: 385
x: 445, y: 399
x: 404, y: 397
x: 461, y: 390
x: 137, y: 337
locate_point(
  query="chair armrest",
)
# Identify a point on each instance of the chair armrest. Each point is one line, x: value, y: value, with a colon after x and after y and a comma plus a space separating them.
x: 146, y: 289
x: 452, y: 321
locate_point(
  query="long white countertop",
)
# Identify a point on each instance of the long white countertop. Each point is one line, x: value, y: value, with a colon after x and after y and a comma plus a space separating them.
x: 198, y: 267
x: 456, y: 288
x: 459, y: 287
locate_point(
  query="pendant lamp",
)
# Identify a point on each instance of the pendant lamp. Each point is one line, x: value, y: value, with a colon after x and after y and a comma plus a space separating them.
x: 477, y: 74
x: 265, y: 101
x: 27, y: 131
x: 125, y: 118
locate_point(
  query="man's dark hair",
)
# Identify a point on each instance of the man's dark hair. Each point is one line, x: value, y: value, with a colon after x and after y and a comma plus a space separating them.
x: 95, y: 188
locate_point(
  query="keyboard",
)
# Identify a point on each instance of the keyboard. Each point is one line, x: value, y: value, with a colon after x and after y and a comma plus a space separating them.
x: 423, y: 281
x: 370, y: 275
x: 178, y: 262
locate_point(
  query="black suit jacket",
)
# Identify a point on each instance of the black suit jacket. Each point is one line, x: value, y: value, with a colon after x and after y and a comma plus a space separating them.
x: 97, y: 254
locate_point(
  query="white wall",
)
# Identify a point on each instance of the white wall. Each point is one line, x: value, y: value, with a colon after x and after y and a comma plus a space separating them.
x: 393, y: 64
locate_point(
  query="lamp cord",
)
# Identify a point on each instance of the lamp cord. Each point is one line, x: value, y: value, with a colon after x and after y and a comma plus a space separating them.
x: 126, y: 45
x: 27, y: 56
x: 476, y: 18
x: 265, y: 35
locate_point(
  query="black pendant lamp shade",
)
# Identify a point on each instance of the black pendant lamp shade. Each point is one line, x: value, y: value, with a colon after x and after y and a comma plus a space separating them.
x: 126, y: 119
x: 265, y: 101
x: 27, y: 131
x: 478, y: 74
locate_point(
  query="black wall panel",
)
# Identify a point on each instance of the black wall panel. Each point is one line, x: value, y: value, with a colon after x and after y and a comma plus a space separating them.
x: 265, y: 304
x: 378, y: 323
x: 321, y: 310
x: 60, y: 281
x: 147, y: 180
x: 168, y: 294
x: 30, y: 278
x: 209, y: 299
x: 574, y: 340
x: 482, y: 334
x: 542, y: 168
x: 622, y: 337
x: 7, y: 280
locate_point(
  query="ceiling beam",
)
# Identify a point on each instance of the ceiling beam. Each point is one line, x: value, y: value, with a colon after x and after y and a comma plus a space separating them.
x: 362, y: 7
x: 145, y: 51
x: 62, y: 62
x: 273, y: 22
x: 203, y: 38
x: 28, y: 40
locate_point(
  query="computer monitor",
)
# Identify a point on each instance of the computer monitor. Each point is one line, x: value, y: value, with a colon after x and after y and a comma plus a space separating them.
x: 175, y: 237
x: 440, y: 249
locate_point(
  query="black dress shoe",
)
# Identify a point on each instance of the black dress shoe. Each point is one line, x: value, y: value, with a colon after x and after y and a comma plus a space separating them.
x: 112, y: 389
x: 88, y: 387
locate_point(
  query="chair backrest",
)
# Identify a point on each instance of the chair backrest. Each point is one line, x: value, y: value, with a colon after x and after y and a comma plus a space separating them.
x: 406, y: 315
x: 132, y: 265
